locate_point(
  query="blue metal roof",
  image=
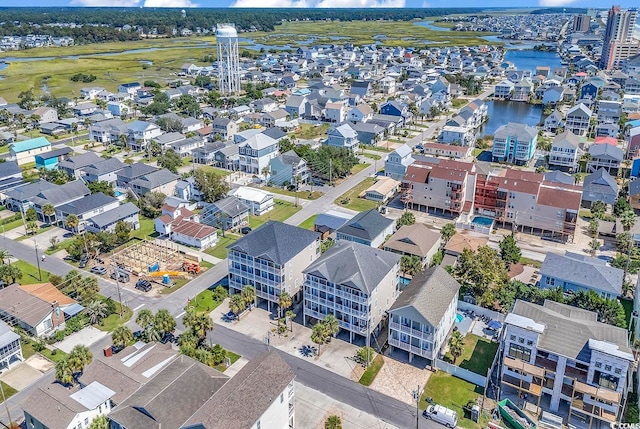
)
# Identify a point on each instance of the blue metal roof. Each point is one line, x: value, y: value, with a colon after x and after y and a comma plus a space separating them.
x: 29, y: 144
x: 72, y: 309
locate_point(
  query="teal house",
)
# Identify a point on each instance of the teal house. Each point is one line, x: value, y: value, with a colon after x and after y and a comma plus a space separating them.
x: 50, y: 160
x: 25, y: 151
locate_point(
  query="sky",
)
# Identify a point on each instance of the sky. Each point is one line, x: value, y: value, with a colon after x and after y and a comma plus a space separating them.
x: 319, y: 3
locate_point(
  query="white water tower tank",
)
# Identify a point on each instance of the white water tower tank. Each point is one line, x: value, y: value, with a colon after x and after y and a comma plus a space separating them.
x: 228, y: 59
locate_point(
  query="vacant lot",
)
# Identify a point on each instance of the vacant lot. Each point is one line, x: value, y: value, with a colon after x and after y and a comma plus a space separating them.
x: 350, y: 198
x: 477, y: 355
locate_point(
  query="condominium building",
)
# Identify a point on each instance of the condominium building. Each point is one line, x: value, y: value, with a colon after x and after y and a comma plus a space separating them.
x: 355, y: 283
x: 562, y: 359
x: 422, y: 317
x: 272, y: 259
x: 514, y: 143
x: 619, y: 43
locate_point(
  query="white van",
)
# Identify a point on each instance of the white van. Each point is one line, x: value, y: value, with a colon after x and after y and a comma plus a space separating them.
x: 442, y: 415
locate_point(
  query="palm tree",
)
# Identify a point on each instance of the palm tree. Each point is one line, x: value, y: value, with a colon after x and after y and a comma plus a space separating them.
x: 10, y: 273
x: 145, y: 318
x: 249, y: 295
x: 121, y: 336
x: 319, y: 335
x: 164, y: 321
x: 333, y: 422
x: 48, y: 210
x: 5, y: 256
x: 290, y: 315
x: 100, y: 422
x: 151, y: 333
x: 331, y: 324
x: 447, y: 232
x: 236, y: 304
x: 456, y: 345
x: 71, y: 222
x: 410, y: 265
x: 64, y: 373
x: 96, y: 310
x: 628, y: 219
x: 284, y: 302
x: 32, y: 227
x: 79, y: 358
x: 594, y: 245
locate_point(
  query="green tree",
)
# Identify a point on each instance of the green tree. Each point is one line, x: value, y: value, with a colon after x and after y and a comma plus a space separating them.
x: 248, y: 295
x: 620, y: 206
x: 509, y: 250
x: 218, y: 354
x: 170, y: 160
x: 164, y: 321
x: 144, y: 318
x: 594, y: 245
x: 237, y: 304
x: 123, y: 232
x: 100, y: 422
x: 188, y: 105
x: 210, y: 185
x: 331, y: 324
x: 628, y: 219
x: 121, y: 336
x: 54, y: 240
x: 150, y: 204
x: 64, y: 373
x: 101, y: 186
x: 284, y: 302
x: 598, y: 209
x: 79, y: 357
x: 365, y: 354
x: 407, y: 218
x: 32, y: 227
x: 623, y: 242
x: 71, y: 222
x: 199, y: 323
x: 48, y: 210
x: 482, y: 270
x: 319, y: 335
x: 456, y: 345
x: 10, y: 273
x: 447, y: 232
x: 333, y: 422
x: 5, y: 256
x: 594, y: 224
x: 410, y: 265
x: 31, y: 215
x: 290, y: 315
x: 96, y: 310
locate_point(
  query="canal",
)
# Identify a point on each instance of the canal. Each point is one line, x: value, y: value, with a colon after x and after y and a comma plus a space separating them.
x: 502, y: 112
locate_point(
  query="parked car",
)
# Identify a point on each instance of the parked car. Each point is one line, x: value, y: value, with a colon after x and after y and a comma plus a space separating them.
x: 245, y: 230
x: 229, y: 317
x: 98, y: 270
x: 120, y: 276
x: 143, y: 285
x: 83, y: 263
x: 442, y: 415
x: 168, y: 338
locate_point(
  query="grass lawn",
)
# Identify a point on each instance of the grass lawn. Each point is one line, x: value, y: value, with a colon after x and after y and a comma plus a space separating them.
x: 28, y: 351
x: 459, y: 102
x: 218, y: 171
x: 204, y: 302
x: 220, y: 249
x: 476, y: 152
x: 372, y: 156
x: 359, y: 167
x: 301, y: 194
x: 379, y: 148
x: 627, y: 304
x: 282, y: 210
x: 371, y: 372
x: 477, y: 355
x: 206, y: 264
x: 13, y: 225
x: 4, y: 149
x: 147, y: 228
x: 308, y: 224
x: 30, y: 273
x: 532, y: 262
x: 8, y: 390
x: 453, y: 393
x: 60, y: 246
x: 309, y: 131
x: 178, y: 284
x: 233, y: 357
x: 113, y: 321
x: 350, y: 198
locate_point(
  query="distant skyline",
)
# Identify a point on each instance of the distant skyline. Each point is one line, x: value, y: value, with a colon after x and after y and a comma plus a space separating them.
x: 314, y: 3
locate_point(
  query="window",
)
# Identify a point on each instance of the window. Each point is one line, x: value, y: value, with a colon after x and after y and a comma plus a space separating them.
x: 607, y: 367
x: 529, y: 342
x: 258, y: 425
x: 618, y: 371
x: 281, y: 398
x: 521, y: 340
x: 605, y: 380
x: 86, y: 421
x: 519, y: 352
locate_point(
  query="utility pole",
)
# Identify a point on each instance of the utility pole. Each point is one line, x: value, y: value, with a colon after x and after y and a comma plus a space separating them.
x: 416, y: 396
x: 4, y: 399
x: 330, y: 170
x: 37, y: 259
x: 368, y: 343
x: 117, y: 273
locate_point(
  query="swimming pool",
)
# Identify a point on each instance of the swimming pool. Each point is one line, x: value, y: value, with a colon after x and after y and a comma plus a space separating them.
x: 482, y: 221
x: 117, y: 193
x: 459, y: 317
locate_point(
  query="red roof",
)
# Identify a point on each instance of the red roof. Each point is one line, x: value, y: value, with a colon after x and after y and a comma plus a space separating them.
x: 560, y: 197
x: 193, y: 229
x: 606, y: 140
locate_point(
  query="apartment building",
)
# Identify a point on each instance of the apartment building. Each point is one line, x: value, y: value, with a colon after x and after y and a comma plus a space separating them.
x: 422, y: 317
x: 565, y: 152
x: 514, y: 143
x: 563, y: 360
x: 355, y: 283
x: 272, y: 259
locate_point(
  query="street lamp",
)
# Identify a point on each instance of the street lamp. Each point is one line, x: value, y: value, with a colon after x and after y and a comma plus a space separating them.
x: 37, y: 260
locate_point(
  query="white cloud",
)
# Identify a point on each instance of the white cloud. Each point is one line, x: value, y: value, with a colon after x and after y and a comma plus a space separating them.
x: 556, y: 3
x: 106, y: 3
x: 425, y: 4
x: 169, y: 3
x: 319, y: 3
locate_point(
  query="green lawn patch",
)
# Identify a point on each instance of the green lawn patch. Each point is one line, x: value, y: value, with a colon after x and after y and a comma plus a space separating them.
x: 372, y: 156
x: 477, y: 355
x: 532, y: 262
x: 379, y: 148
x: 309, y: 131
x: 359, y: 167
x: 176, y: 284
x: 39, y: 231
x: 233, y: 357
x: 371, y: 372
x: 206, y: 264
x: 8, y: 390
x: 351, y: 200
x: 30, y: 273
x: 53, y: 355
x: 204, y: 302
x: 220, y: 249
x: 308, y: 224
x: 453, y: 393
x: 28, y: 351
x: 13, y: 225
x: 147, y: 228
x: 301, y: 194
x: 476, y: 152
x: 457, y: 103
x: 219, y: 171
x: 28, y: 166
x: 63, y: 245
x: 114, y: 320
x: 4, y: 149
x: 282, y: 210
x: 627, y: 304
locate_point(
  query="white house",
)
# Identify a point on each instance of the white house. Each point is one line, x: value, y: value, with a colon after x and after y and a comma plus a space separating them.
x: 258, y: 201
x: 256, y: 153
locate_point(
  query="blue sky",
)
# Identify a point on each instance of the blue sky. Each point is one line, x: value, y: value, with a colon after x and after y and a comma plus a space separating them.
x: 317, y: 3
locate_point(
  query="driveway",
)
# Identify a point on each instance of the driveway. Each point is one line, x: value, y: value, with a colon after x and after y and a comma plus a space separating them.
x: 23, y: 374
x: 86, y: 336
x: 399, y: 379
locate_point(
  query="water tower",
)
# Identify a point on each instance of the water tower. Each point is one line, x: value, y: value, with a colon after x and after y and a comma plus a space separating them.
x: 228, y: 59
x: 183, y: 13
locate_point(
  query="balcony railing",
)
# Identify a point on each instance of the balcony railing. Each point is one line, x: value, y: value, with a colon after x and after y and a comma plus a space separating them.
x: 413, y: 332
x: 409, y: 348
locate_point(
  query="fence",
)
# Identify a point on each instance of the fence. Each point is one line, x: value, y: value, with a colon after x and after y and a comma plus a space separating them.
x: 465, y: 374
x: 481, y: 310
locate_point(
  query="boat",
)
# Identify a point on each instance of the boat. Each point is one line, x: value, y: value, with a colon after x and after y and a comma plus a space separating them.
x: 514, y: 416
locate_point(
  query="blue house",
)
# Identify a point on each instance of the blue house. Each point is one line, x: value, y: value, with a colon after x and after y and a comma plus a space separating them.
x: 287, y: 168
x: 590, y: 90
x: 515, y: 143
x: 342, y: 136
x: 25, y: 151
x: 574, y: 272
x: 396, y: 108
x: 50, y: 160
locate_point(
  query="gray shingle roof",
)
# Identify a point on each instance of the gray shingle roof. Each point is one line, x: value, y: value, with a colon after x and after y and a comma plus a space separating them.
x: 134, y: 171
x: 61, y: 194
x: 567, y: 329
x: 521, y: 131
x: 430, y: 293
x: 88, y: 203
x: 275, y: 241
x: 52, y: 405
x: 55, y: 153
x: 558, y: 176
x: 356, y: 265
x: 20, y: 304
x: 583, y: 270
x: 103, y: 167
x: 155, y: 179
x: 122, y: 212
x: 258, y: 383
x: 9, y: 168
x: 367, y: 225
x: 231, y: 206
x: 30, y: 190
x: 79, y: 161
x: 607, y: 151
x: 7, y: 336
